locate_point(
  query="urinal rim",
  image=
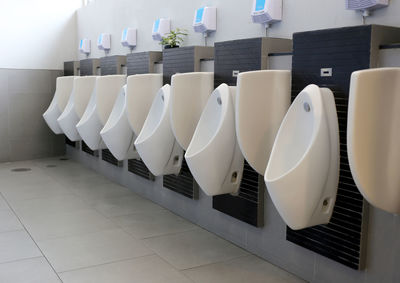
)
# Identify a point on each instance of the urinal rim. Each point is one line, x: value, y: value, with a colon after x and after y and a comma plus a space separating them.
x: 141, y: 139
x: 192, y: 74
x: 107, y: 127
x: 316, y: 129
x: 224, y: 111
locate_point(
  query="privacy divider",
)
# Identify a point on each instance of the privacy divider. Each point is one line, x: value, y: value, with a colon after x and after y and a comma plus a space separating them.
x: 232, y: 57
x: 183, y: 60
x: 327, y: 58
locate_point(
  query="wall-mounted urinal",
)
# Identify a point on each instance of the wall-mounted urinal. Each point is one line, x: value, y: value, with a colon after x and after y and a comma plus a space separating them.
x: 139, y: 96
x: 213, y: 155
x: 189, y: 95
x: 64, y: 87
x: 156, y: 143
x: 373, y: 136
x: 99, y: 108
x: 303, y: 170
x: 262, y: 100
x: 77, y: 103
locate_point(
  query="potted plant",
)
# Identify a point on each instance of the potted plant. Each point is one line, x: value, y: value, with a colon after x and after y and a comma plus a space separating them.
x: 174, y: 38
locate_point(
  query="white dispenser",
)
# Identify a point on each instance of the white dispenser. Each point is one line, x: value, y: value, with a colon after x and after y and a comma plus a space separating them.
x: 84, y: 46
x: 128, y: 38
x: 205, y: 20
x: 266, y: 11
x: 161, y: 27
x: 104, y: 42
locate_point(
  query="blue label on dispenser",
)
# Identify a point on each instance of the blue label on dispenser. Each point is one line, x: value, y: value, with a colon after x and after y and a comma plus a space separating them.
x: 100, y: 39
x: 80, y: 45
x: 260, y: 4
x: 156, y: 25
x: 199, y: 15
x: 125, y: 33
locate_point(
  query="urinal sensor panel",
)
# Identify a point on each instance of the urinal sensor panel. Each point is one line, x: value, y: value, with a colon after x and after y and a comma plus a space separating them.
x: 266, y: 11
x: 84, y: 46
x: 104, y: 41
x: 366, y: 4
x: 161, y: 27
x: 128, y: 38
x: 205, y: 20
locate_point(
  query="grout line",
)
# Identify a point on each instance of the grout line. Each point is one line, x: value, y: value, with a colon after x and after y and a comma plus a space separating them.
x: 52, y: 267
x: 21, y: 259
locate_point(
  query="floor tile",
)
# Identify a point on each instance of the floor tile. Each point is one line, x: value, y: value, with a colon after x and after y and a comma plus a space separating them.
x: 92, y: 249
x: 17, y: 245
x: 111, y: 207
x: 3, y: 204
x: 34, y: 270
x: 193, y: 248
x: 65, y: 224
x: 8, y: 221
x: 90, y: 194
x: 153, y: 223
x: 148, y: 269
x: 244, y: 269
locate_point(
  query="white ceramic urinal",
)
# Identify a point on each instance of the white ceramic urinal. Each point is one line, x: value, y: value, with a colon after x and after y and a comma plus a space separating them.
x: 189, y: 95
x: 213, y: 155
x: 156, y: 143
x: 373, y: 136
x: 99, y: 108
x: 303, y: 170
x: 77, y: 103
x: 262, y: 100
x: 64, y: 87
x: 117, y: 134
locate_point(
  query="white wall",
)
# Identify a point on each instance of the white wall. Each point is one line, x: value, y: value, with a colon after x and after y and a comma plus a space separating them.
x: 37, y: 34
x: 234, y: 20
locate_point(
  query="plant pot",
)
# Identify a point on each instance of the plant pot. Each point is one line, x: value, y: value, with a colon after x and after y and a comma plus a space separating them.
x: 169, y: 46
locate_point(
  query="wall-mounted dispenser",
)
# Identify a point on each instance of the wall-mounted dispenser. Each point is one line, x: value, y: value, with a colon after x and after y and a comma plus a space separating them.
x: 366, y: 6
x: 104, y: 42
x: 266, y: 11
x: 84, y: 46
x: 128, y: 38
x: 161, y: 27
x: 214, y: 155
x: 302, y: 174
x: 205, y: 20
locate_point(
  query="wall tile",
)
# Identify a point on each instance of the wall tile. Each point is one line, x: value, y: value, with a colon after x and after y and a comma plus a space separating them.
x: 29, y: 81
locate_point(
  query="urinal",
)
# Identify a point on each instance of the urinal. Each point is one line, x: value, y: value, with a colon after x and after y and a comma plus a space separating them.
x: 98, y: 110
x: 189, y: 95
x: 213, y: 155
x: 373, y: 136
x: 77, y: 103
x: 116, y: 134
x: 262, y: 100
x: 64, y: 87
x: 156, y: 143
x: 302, y: 174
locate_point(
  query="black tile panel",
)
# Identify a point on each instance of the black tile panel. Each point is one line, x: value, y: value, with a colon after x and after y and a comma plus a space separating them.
x: 86, y: 67
x: 137, y: 167
x: 107, y: 156
x: 69, y: 142
x: 177, y: 60
x: 70, y: 68
x: 86, y: 148
x: 111, y: 65
x: 142, y: 62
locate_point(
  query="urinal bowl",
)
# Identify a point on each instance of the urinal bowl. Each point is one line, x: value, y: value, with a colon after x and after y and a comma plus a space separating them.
x: 262, y: 100
x: 213, y: 155
x: 99, y: 109
x: 156, y: 143
x: 140, y: 93
x: 303, y: 170
x: 117, y: 134
x: 373, y: 136
x: 189, y: 95
x: 77, y: 103
x: 64, y: 87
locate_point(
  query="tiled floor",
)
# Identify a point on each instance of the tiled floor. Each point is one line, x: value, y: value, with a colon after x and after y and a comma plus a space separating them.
x: 69, y: 224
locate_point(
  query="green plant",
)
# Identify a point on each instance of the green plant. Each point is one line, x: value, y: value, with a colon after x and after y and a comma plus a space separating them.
x: 174, y: 38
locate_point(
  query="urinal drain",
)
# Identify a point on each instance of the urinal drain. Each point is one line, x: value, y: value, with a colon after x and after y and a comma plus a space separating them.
x: 64, y: 159
x: 51, y: 166
x: 307, y: 107
x: 21, y: 169
x: 219, y: 101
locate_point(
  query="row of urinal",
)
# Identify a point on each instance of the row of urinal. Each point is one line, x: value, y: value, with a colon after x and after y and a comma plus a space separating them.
x: 296, y: 149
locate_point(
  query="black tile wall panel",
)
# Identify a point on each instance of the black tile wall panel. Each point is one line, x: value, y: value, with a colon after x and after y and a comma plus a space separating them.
x: 240, y: 55
x: 177, y: 60
x: 344, y: 50
x: 137, y: 63
x: 86, y: 67
x: 69, y: 142
x: 87, y: 149
x: 111, y: 65
x: 183, y: 183
x: 69, y: 68
x: 107, y: 156
x: 137, y: 167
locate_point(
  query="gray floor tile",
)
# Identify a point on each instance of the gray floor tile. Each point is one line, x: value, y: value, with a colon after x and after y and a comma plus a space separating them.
x: 193, y: 248
x: 92, y: 249
x: 148, y: 269
x: 242, y: 270
x: 153, y: 223
x: 17, y: 245
x: 90, y: 194
x: 3, y: 204
x: 8, y: 221
x: 35, y: 270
